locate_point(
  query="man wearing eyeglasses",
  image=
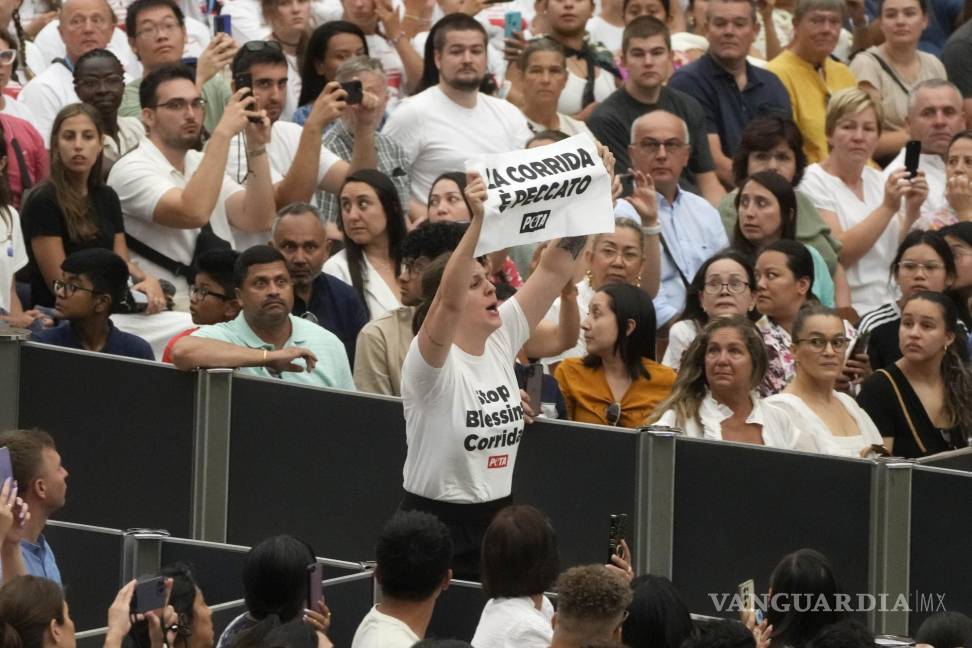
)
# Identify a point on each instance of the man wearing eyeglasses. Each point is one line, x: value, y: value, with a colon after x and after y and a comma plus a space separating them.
x: 84, y: 25
x: 99, y: 81
x: 93, y: 282
x: 157, y: 34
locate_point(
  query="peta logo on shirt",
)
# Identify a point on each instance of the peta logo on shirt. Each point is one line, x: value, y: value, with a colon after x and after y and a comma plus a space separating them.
x: 498, y: 461
x: 534, y: 221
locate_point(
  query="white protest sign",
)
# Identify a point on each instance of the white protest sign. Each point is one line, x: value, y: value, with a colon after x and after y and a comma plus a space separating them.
x: 544, y: 193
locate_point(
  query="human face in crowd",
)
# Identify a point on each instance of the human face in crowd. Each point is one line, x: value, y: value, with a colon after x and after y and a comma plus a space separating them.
x: 462, y: 61
x: 781, y: 159
x: 730, y: 29
x: 375, y: 84
x: 698, y: 12
x: 340, y: 48
x: 962, y: 252
x: 760, y: 220
x: 78, y: 145
x: 209, y: 303
x: 734, y: 296
x: 638, y: 8
x: 203, y: 635
x: 728, y: 364
x: 665, y: 164
x: 959, y: 159
x: 569, y: 17
x: 826, y: 364
x: 920, y: 268
x: 446, y: 203
x: 410, y: 280
x: 362, y: 214
x: 546, y: 76
x: 815, y: 36
x: 76, y: 299
x: 779, y: 294
x: 290, y: 19
x: 85, y: 25
x: 176, y: 119
x: 937, y: 115
x: 648, y: 61
x: 159, y: 38
x: 54, y: 477
x: 360, y: 12
x: 615, y: 258
x: 902, y: 22
x: 855, y: 137
x: 922, y: 334
x: 481, y: 313
x: 600, y: 327
x: 267, y: 294
x: 269, y: 88
x: 6, y: 69
x: 101, y: 83
x: 303, y: 242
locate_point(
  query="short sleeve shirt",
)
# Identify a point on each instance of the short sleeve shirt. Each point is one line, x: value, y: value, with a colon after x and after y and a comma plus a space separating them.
x: 13, y: 253
x: 893, y: 88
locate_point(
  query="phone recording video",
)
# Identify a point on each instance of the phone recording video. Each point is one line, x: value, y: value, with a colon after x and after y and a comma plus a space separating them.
x: 354, y: 90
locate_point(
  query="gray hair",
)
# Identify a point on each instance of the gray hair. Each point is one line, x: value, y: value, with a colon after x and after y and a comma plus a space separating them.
x: 803, y: 7
x: 541, y: 44
x: 930, y: 84
x: 297, y: 209
x: 751, y: 3
x: 357, y: 65
x: 634, y: 125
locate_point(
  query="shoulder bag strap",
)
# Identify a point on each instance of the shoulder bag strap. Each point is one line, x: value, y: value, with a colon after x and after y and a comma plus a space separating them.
x: 887, y: 68
x: 667, y: 251
x: 914, y: 432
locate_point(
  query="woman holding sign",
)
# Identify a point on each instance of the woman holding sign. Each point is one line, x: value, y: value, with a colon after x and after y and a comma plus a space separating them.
x: 463, y: 415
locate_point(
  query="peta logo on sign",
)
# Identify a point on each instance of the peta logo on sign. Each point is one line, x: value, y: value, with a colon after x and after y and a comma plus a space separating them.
x: 534, y: 221
x: 498, y: 461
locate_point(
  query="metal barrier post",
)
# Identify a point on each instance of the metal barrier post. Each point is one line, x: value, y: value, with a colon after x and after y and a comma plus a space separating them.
x: 210, y: 475
x: 890, y: 546
x: 141, y: 553
x: 10, y: 341
x: 655, y: 502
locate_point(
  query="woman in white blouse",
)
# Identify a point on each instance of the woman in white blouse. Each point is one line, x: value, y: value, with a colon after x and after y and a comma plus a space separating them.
x: 861, y: 209
x: 714, y: 396
x: 837, y: 422
x: 373, y: 224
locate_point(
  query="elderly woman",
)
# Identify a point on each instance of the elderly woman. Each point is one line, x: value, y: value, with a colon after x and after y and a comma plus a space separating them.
x: 859, y: 206
x: 543, y: 77
x: 714, y: 395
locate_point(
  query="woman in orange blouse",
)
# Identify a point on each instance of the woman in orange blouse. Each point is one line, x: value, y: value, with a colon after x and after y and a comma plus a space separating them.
x: 616, y: 383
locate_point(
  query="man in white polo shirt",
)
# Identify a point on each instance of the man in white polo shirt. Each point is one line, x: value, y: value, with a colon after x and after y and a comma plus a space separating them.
x: 170, y: 193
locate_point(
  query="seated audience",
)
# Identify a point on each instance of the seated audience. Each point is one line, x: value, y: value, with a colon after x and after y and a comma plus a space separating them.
x: 647, y: 57
x: 99, y: 81
x: 849, y: 633
x: 84, y: 25
x: 299, y: 235
x: 616, y: 383
x: 657, y: 616
x: 212, y: 295
x: 774, y: 144
x: 42, y: 484
x: 157, y: 34
x: 810, y: 74
x: 24, y: 142
x: 330, y: 45
x: 294, y: 634
x: 799, y: 574
x: 384, y: 341
x: 290, y: 25
x: 714, y: 395
x: 959, y: 239
x: 93, y: 283
x: 860, y: 207
x: 950, y: 629
x: 837, y: 422
x: 766, y: 208
x: 8, y: 74
x: 719, y: 634
x: 592, y: 603
x: 373, y: 225
x: 265, y: 339
x: 175, y: 200
x: 520, y: 562
x: 893, y: 70
x: 15, y: 256
x: 920, y: 403
x: 724, y: 285
x: 412, y: 557
x: 924, y: 262
x: 543, y: 76
x: 958, y: 173
x: 387, y: 42
x: 75, y: 210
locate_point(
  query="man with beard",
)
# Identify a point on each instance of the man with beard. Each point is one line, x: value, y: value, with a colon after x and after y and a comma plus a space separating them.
x: 170, y: 193
x: 265, y: 339
x: 299, y: 234
x: 443, y: 126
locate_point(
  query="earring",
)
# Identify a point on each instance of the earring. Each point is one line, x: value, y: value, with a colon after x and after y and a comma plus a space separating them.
x: 590, y: 278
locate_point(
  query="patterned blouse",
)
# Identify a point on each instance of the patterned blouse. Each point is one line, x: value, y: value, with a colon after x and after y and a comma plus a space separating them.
x: 782, y: 367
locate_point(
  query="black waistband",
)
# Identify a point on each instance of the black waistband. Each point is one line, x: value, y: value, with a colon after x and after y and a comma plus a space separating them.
x: 456, y: 512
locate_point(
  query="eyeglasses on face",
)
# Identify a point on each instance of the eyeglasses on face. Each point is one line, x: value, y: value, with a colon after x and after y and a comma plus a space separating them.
x: 202, y: 292
x: 68, y: 288
x: 151, y: 30
x: 838, y: 343
x: 734, y: 286
x: 92, y: 83
x: 911, y: 267
x: 653, y: 146
x: 8, y: 56
x: 180, y: 105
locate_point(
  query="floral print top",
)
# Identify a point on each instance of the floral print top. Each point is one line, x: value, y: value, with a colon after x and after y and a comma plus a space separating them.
x: 782, y: 367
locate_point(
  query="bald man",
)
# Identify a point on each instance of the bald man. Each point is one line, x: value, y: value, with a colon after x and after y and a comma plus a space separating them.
x: 691, y: 228
x: 84, y: 25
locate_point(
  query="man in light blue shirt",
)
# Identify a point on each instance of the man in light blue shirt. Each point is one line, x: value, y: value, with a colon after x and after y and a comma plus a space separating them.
x: 691, y: 228
x: 265, y: 339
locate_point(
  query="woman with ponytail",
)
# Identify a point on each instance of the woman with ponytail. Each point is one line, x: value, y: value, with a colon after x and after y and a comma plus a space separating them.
x: 921, y: 402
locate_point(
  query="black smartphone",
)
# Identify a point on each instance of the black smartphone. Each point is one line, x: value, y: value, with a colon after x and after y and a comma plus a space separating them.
x: 315, y: 574
x: 616, y: 524
x: 534, y: 386
x: 245, y: 80
x: 860, y: 344
x: 912, y: 156
x: 222, y: 24
x: 354, y: 90
x: 149, y: 595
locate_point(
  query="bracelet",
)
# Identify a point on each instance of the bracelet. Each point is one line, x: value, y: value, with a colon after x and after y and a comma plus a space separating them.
x: 417, y: 19
x: 397, y: 39
x: 256, y: 152
x: 266, y: 354
x: 651, y: 230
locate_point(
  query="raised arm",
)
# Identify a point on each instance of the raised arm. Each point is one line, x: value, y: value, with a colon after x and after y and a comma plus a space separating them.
x: 253, y: 210
x: 551, y: 339
x: 301, y: 180
x: 555, y: 269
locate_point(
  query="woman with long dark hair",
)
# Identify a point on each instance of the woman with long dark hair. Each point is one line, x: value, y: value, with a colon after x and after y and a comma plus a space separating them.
x: 194, y: 619
x: 373, y: 225
x: 802, y: 576
x: 330, y: 45
x: 959, y: 239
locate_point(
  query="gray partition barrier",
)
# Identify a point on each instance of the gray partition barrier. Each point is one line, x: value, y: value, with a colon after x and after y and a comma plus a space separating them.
x: 954, y: 459
x: 739, y: 509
